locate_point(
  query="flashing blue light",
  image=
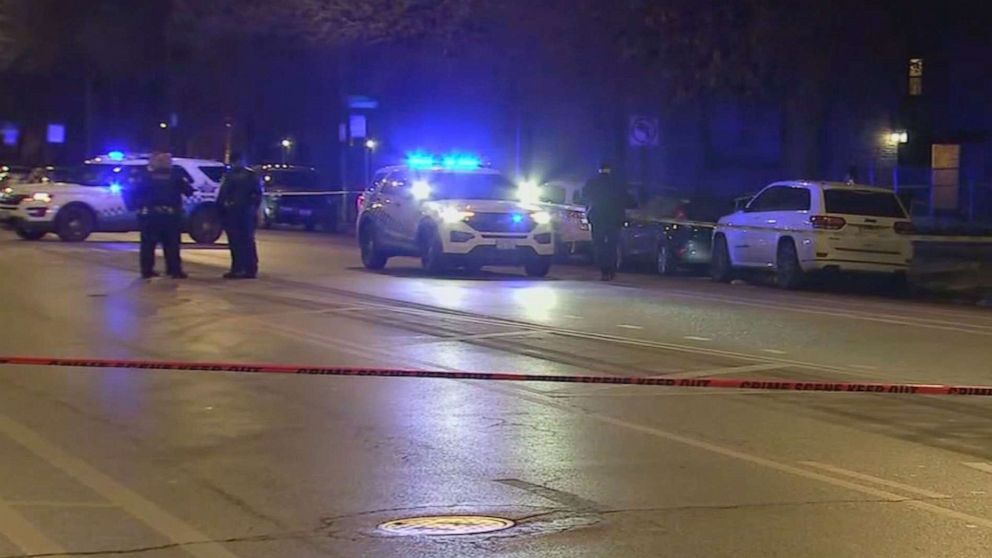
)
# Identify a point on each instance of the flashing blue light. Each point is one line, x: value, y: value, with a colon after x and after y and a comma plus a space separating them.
x: 116, y: 155
x: 461, y: 162
x: 517, y: 218
x: 420, y: 161
x: 115, y: 187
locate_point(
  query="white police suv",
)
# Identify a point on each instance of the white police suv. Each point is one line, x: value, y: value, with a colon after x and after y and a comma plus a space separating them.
x: 797, y: 227
x: 452, y: 212
x: 77, y: 201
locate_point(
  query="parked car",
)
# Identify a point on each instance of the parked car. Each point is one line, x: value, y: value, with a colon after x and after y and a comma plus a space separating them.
x: 669, y: 236
x: 798, y: 227
x: 296, y: 195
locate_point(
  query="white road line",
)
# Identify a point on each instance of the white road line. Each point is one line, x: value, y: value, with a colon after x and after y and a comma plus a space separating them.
x: 773, y: 351
x: 628, y: 326
x: 868, y: 478
x: 24, y: 535
x: 979, y: 466
x: 696, y: 338
x: 173, y: 528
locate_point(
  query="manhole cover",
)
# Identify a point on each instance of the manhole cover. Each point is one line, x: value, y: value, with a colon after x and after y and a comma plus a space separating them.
x: 446, y: 525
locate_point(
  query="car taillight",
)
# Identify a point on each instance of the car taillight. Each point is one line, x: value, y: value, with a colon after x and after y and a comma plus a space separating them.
x: 904, y: 227
x: 828, y: 223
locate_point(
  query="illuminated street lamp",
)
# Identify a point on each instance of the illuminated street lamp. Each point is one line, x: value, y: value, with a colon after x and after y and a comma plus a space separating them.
x: 287, y: 144
x: 371, y: 144
x: 900, y: 136
x: 163, y: 125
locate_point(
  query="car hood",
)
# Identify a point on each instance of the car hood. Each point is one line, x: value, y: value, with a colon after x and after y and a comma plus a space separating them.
x: 487, y: 206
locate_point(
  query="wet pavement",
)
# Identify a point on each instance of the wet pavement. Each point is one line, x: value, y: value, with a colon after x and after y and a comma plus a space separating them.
x: 170, y: 464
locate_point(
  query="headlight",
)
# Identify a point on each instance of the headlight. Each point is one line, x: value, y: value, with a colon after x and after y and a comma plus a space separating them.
x: 528, y: 191
x: 421, y: 190
x: 541, y: 217
x: 450, y: 215
x: 43, y: 197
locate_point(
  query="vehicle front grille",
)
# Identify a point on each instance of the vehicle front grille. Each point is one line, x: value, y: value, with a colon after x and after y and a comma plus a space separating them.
x: 502, y: 222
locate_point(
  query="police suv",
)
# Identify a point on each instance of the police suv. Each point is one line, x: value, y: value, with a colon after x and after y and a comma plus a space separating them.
x: 452, y: 212
x: 75, y: 202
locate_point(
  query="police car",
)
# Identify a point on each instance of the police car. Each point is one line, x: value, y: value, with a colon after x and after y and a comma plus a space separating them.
x: 75, y: 202
x: 452, y: 212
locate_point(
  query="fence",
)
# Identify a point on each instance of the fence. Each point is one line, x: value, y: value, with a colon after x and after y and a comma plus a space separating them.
x: 915, y: 186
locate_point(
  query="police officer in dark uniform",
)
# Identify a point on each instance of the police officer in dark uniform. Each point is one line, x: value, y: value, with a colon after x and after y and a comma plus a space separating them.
x: 159, y: 199
x: 606, y: 208
x: 239, y: 199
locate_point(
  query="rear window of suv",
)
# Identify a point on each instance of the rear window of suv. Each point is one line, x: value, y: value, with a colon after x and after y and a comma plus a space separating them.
x: 214, y: 173
x: 863, y: 202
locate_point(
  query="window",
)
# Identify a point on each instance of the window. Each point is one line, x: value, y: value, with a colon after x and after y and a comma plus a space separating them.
x: 182, y: 173
x: 781, y: 198
x: 915, y: 77
x: 214, y: 173
x: 471, y: 186
x: 864, y: 202
x: 553, y: 194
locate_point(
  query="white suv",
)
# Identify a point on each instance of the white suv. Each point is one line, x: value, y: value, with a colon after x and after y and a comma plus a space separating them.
x: 75, y: 202
x: 462, y: 215
x: 798, y: 227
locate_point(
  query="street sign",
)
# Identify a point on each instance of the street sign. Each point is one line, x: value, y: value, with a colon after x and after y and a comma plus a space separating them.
x: 644, y: 131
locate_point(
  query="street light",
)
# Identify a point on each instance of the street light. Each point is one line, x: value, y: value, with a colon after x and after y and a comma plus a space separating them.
x: 287, y: 144
x: 900, y: 136
x: 371, y: 144
x: 163, y: 125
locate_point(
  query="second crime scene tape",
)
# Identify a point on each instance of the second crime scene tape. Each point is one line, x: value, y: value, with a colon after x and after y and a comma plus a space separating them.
x: 702, y: 383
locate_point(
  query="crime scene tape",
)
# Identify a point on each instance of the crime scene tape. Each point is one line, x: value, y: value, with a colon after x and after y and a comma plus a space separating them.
x: 717, y: 383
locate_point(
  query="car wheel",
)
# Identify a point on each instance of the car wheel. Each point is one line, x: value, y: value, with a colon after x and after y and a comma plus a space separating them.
x: 372, y: 256
x: 538, y: 267
x: 721, y: 268
x: 28, y: 234
x: 432, y: 252
x: 204, y: 226
x: 74, y: 223
x: 665, y: 262
x: 788, y: 273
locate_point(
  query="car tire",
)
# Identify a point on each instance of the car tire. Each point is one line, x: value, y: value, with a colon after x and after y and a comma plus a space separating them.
x: 721, y: 267
x: 432, y: 252
x: 665, y: 261
x: 788, y: 273
x: 372, y: 255
x: 75, y: 223
x: 538, y: 267
x: 29, y: 234
x: 204, y: 225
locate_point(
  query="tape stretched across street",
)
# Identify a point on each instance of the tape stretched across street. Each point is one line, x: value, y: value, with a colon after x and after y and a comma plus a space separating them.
x: 718, y: 383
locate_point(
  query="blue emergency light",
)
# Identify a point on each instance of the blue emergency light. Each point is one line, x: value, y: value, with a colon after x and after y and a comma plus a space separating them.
x: 116, y: 155
x: 455, y: 162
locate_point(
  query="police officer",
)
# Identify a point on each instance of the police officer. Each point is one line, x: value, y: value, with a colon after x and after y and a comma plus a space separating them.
x: 159, y: 199
x: 606, y: 206
x: 239, y: 198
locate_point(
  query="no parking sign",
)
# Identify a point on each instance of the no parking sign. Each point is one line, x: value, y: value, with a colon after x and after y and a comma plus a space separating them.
x: 644, y: 131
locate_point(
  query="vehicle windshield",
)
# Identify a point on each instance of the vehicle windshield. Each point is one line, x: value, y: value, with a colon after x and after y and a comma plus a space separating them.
x: 551, y: 193
x: 291, y: 180
x: 863, y: 202
x: 471, y: 186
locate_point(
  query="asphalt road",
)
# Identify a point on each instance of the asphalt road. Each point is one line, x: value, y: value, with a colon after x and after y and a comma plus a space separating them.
x: 169, y: 464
